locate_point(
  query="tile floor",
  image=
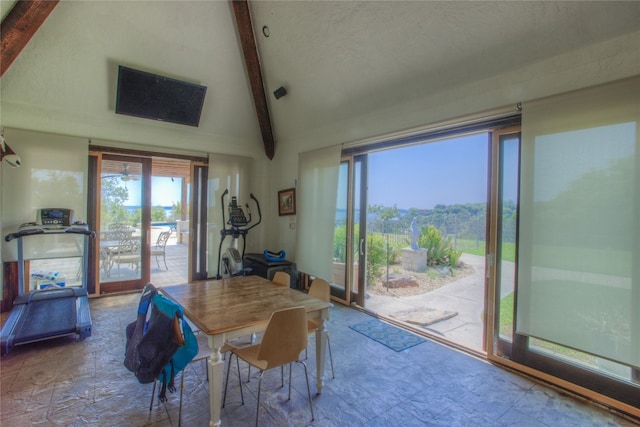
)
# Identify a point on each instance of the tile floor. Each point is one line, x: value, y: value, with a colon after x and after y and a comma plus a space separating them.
x: 67, y: 383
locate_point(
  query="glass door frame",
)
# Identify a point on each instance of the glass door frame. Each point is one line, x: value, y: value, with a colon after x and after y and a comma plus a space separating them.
x: 198, y: 266
x: 145, y: 225
x: 358, y: 293
x: 354, y: 289
x: 494, y: 344
x: 494, y: 128
x: 197, y: 232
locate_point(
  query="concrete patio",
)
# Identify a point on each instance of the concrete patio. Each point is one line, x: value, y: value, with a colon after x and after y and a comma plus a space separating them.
x: 464, y: 296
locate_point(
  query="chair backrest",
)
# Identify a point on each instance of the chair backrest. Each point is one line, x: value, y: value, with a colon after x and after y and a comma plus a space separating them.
x: 281, y: 278
x: 128, y: 246
x: 118, y: 226
x: 162, y: 239
x: 320, y: 289
x: 118, y: 235
x: 284, y: 338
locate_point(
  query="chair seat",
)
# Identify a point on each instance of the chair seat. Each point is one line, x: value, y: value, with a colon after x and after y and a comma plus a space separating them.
x: 250, y: 355
x: 127, y: 258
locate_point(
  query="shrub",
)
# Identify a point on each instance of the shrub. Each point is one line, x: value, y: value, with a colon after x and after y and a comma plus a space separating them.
x: 376, y: 256
x: 454, y: 258
x: 340, y: 243
x: 439, y: 251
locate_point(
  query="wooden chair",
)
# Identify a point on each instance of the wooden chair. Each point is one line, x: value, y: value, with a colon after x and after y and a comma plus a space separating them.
x: 283, y: 341
x: 320, y: 289
x: 281, y: 278
x: 159, y: 249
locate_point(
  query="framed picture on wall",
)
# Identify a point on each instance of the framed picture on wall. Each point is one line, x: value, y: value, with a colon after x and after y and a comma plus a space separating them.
x: 287, y: 202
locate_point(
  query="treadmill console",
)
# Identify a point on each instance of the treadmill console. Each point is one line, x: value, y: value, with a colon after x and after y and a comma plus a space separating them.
x: 55, y: 217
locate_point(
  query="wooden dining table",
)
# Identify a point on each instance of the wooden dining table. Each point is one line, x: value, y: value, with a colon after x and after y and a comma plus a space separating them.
x: 239, y: 306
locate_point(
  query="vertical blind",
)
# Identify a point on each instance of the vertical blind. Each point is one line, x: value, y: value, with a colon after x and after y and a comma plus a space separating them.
x: 317, y: 193
x: 579, y: 241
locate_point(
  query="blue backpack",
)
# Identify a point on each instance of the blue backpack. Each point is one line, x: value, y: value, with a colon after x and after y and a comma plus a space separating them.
x: 163, y: 345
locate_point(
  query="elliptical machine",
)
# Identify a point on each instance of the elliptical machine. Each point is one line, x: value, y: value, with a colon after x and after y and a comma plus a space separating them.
x: 238, y: 226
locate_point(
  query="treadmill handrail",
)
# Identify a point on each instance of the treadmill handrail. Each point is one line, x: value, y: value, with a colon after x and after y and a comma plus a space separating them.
x: 9, y: 237
x: 34, y: 231
x: 76, y: 230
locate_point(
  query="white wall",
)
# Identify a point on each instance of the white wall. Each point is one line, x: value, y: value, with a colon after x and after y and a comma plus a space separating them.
x: 48, y: 162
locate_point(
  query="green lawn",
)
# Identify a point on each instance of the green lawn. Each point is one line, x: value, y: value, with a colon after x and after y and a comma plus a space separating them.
x: 588, y: 260
x: 506, y: 315
x: 477, y: 248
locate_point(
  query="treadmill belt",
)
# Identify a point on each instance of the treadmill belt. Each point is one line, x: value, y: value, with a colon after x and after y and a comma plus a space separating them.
x: 47, y: 318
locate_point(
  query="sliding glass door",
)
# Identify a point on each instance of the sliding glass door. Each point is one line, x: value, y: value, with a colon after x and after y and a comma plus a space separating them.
x: 417, y: 235
x: 521, y: 245
x: 124, y: 226
x: 150, y: 216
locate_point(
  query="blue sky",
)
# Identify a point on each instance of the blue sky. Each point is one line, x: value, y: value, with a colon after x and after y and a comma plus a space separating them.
x: 164, y: 191
x: 422, y: 176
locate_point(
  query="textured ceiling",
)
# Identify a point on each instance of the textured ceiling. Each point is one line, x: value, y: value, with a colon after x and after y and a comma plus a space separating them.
x: 337, y: 60
x: 345, y: 59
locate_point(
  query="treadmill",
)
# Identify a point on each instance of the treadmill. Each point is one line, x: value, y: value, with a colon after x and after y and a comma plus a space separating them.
x: 51, y: 312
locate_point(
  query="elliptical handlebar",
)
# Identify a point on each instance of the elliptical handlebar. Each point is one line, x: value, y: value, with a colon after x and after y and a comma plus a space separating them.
x: 226, y: 191
x: 259, y: 213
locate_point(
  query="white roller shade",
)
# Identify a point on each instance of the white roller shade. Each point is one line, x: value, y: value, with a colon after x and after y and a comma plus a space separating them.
x: 579, y: 241
x: 316, y: 194
x: 231, y: 173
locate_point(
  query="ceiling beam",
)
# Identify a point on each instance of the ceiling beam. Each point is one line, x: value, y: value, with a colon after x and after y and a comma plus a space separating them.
x: 20, y: 24
x: 252, y: 62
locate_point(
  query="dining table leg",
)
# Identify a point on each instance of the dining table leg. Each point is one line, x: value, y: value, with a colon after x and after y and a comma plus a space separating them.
x: 321, y: 353
x: 216, y: 375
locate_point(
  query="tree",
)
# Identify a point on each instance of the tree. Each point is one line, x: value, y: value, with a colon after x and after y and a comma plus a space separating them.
x: 158, y: 214
x: 112, y: 207
x: 176, y: 212
x: 384, y: 213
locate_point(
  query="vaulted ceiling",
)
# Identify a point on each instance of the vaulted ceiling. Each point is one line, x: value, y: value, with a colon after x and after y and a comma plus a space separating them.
x: 338, y: 61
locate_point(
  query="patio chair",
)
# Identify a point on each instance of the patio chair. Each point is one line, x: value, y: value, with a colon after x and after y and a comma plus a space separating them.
x: 105, y: 261
x: 127, y: 252
x: 283, y: 341
x: 159, y: 249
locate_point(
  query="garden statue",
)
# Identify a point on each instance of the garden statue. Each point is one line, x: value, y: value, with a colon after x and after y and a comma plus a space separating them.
x: 415, y: 233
